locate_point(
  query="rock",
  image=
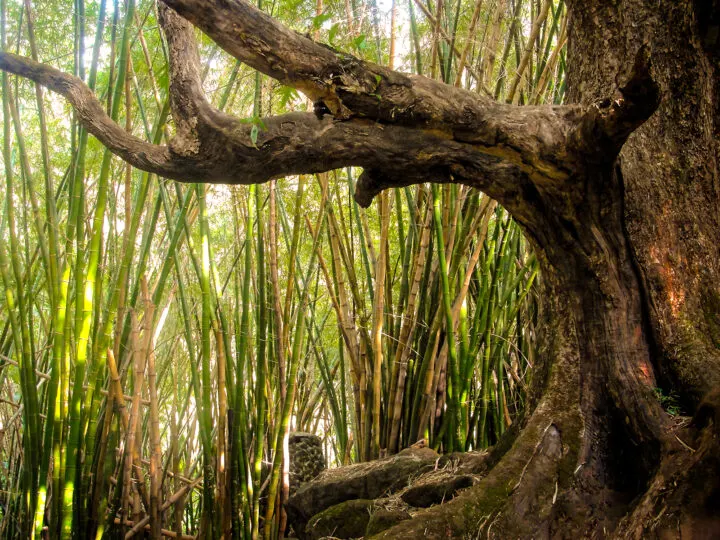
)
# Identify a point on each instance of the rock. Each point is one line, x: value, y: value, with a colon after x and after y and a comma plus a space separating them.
x: 435, y: 488
x: 369, y: 480
x: 382, y: 519
x: 348, y: 519
x: 306, y: 458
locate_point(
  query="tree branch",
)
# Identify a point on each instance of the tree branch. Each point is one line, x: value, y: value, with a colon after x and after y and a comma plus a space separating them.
x: 187, y: 98
x: 259, y: 41
x: 403, y: 129
x: 606, y: 126
x: 550, y: 144
x: 531, y: 137
x: 293, y: 143
x: 92, y: 115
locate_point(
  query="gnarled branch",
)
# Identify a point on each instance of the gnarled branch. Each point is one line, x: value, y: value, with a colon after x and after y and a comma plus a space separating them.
x: 293, y: 143
x: 91, y: 114
x: 402, y: 129
x: 531, y: 137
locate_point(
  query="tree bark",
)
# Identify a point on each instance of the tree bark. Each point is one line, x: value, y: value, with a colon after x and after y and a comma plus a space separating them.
x: 631, y: 305
x: 670, y: 172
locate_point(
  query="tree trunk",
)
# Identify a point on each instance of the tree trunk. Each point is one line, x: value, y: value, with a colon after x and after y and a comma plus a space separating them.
x: 631, y: 310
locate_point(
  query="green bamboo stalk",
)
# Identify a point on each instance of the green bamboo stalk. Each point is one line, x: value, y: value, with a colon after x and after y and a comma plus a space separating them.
x: 243, y: 489
x: 291, y: 386
x: 455, y: 438
x: 534, y: 31
x: 209, y: 518
x: 20, y: 330
x: 378, y: 319
x: 70, y: 511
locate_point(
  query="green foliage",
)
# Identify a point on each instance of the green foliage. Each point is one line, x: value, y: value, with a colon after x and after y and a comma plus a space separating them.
x: 332, y: 34
x: 287, y: 94
x: 670, y: 402
x: 256, y: 125
x: 319, y: 20
x: 360, y: 43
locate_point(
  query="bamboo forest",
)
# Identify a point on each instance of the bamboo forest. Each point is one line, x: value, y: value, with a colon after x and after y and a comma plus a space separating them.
x: 161, y: 342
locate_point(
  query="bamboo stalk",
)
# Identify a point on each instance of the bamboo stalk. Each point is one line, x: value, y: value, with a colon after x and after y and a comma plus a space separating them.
x: 405, y: 337
x: 441, y: 33
x: 156, y: 450
x: 206, y: 415
x: 371, y: 356
x: 163, y: 532
x: 378, y: 316
x: 221, y: 466
x: 471, y: 32
x: 172, y: 500
x: 139, y: 358
x: 282, y: 459
x: 551, y: 64
x: 21, y: 335
x: 534, y: 32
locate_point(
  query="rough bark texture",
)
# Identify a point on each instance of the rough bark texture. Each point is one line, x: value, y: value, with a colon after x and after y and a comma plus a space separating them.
x: 632, y: 306
x: 402, y: 129
x: 628, y: 240
x: 670, y: 171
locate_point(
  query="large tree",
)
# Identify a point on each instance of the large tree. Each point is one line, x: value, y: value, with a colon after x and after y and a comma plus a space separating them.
x: 619, y: 192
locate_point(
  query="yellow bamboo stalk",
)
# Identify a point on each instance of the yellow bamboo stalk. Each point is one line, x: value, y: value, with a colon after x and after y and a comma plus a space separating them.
x: 347, y: 331
x: 364, y: 438
x: 281, y: 342
x: 490, y: 50
x: 146, y: 527
x: 342, y: 244
x: 393, y: 31
x: 486, y: 212
x: 156, y: 450
x: 136, y: 505
x: 402, y: 352
x: 349, y: 18
x: 148, y: 63
x: 348, y: 325
x: 280, y: 347
x: 138, y: 354
x: 528, y: 50
x: 551, y: 63
x: 222, y: 455
x: 355, y: 342
x: 453, y: 209
x: 175, y: 452
x: 428, y: 398
x: 433, y: 22
x: 177, y: 497
x: 291, y: 259
x: 468, y: 43
x: 435, y: 40
x: 378, y: 318
x: 368, y: 237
